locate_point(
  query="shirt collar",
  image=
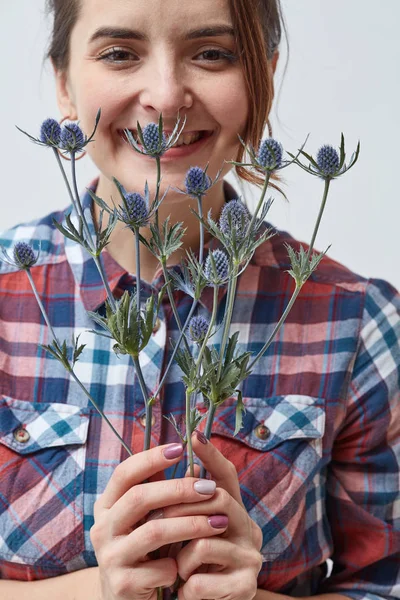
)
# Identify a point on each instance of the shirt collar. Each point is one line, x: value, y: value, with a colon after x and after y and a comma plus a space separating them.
x: 86, y: 274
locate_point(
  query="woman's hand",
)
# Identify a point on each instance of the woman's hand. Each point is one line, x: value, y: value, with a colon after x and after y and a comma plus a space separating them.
x: 124, y: 534
x: 224, y: 566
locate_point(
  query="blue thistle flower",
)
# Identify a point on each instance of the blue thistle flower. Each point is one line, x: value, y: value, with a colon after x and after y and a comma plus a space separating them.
x: 216, y: 274
x: 269, y: 155
x: 197, y: 182
x: 198, y: 328
x: 138, y: 212
x: 72, y: 138
x: 50, y: 132
x: 234, y: 217
x: 24, y: 255
x: 328, y: 160
x: 151, y: 139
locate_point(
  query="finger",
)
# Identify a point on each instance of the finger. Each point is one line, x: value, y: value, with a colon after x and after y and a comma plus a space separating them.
x: 149, y: 576
x: 210, y: 551
x: 136, y: 469
x: 196, y: 471
x: 221, y: 502
x: 154, y: 534
x: 234, y: 585
x: 137, y: 502
x: 222, y: 471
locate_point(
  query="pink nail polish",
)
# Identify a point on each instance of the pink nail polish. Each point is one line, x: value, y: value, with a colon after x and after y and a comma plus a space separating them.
x: 173, y: 451
x: 218, y: 521
x: 201, y: 437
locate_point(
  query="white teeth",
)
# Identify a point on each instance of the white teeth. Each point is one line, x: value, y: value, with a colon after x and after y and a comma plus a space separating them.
x: 187, y: 139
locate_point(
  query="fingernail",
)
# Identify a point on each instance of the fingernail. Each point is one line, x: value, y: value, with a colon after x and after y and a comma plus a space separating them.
x: 205, y: 486
x: 173, y: 451
x: 201, y: 437
x: 218, y: 521
x: 157, y: 514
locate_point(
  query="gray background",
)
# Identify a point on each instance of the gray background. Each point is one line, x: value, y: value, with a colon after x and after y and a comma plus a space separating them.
x: 342, y: 76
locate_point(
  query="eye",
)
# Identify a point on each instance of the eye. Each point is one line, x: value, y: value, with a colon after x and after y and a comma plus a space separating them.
x: 217, y: 55
x: 117, y: 55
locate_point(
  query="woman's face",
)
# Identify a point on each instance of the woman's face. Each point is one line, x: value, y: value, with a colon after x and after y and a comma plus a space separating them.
x: 135, y: 59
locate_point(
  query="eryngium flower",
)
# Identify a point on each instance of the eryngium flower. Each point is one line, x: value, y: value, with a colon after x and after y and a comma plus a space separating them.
x: 234, y: 217
x: 72, y: 138
x: 138, y: 212
x: 198, y: 328
x: 216, y: 274
x: 197, y: 182
x: 151, y: 138
x: 269, y: 155
x: 50, y: 132
x: 328, y: 160
x: 24, y: 255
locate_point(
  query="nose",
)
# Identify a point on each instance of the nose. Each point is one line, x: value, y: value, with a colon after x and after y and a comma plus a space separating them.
x: 165, y: 89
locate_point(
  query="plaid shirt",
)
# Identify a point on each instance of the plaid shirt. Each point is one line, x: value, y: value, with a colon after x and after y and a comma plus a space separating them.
x: 322, y: 480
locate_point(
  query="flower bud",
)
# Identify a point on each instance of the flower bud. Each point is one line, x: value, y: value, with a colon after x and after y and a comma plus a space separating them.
x: 197, y: 182
x: 50, y: 132
x: 270, y: 154
x: 24, y: 255
x: 234, y: 216
x: 198, y: 328
x: 221, y: 267
x: 328, y: 160
x: 72, y: 138
x: 151, y: 138
x: 137, y: 210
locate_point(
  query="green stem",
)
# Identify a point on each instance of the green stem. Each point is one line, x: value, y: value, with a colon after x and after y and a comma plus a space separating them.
x: 176, y: 348
x: 78, y: 205
x: 228, y: 317
x: 208, y: 334
x: 261, y: 200
x: 321, y: 210
x: 172, y: 301
x: 70, y: 369
x: 207, y: 433
x: 137, y: 244
x: 142, y: 384
x: 200, y: 209
x: 157, y: 189
x: 188, y: 432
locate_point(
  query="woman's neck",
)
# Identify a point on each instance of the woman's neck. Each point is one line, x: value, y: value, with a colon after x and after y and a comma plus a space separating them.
x: 175, y: 205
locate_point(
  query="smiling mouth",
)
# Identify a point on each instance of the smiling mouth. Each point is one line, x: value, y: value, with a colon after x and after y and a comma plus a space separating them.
x: 185, y: 139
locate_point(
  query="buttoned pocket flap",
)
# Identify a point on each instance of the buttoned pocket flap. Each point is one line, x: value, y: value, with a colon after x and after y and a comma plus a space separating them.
x: 27, y: 427
x: 267, y: 422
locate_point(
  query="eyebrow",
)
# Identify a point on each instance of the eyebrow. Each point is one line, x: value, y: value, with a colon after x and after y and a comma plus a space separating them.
x: 123, y: 33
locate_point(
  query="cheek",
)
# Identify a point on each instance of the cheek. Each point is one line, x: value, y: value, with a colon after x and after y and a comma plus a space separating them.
x: 231, y: 107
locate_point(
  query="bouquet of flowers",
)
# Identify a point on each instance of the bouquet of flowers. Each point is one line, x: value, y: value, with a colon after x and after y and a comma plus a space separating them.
x: 214, y: 371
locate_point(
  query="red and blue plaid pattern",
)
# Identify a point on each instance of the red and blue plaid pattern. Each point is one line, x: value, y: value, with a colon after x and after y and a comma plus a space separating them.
x: 324, y: 483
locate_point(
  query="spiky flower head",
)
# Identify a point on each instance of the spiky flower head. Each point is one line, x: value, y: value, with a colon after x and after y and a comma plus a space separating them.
x: 50, y: 132
x: 328, y: 160
x: 72, y: 138
x: 197, y: 182
x: 198, y: 328
x: 24, y: 255
x: 151, y: 138
x: 137, y: 213
x: 269, y: 154
x: 216, y: 268
x: 234, y: 217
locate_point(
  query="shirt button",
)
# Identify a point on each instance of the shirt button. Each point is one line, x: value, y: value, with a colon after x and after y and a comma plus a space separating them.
x: 262, y: 432
x: 143, y: 420
x: 157, y: 325
x: 21, y: 435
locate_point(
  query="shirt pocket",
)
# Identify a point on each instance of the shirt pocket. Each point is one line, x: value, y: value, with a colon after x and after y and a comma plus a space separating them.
x: 278, y: 456
x: 42, y: 462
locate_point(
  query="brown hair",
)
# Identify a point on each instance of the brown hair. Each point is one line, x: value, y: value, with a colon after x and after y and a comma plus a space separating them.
x: 258, y: 25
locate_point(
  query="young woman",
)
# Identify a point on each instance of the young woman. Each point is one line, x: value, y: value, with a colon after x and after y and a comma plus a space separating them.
x: 314, y: 472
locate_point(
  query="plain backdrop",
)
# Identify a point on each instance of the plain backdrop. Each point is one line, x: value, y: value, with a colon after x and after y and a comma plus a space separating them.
x: 342, y: 76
